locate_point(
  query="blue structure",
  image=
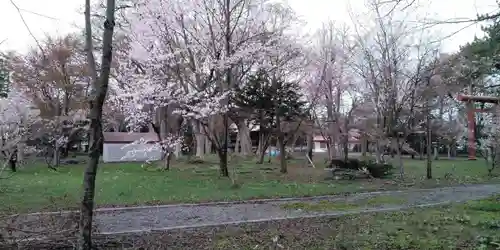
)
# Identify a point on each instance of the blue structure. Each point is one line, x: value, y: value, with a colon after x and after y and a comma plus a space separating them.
x: 274, y: 152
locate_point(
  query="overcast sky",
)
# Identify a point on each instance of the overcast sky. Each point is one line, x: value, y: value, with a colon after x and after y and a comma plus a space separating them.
x: 61, y: 16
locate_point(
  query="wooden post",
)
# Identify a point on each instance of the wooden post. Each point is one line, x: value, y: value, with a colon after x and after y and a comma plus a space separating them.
x: 471, y: 124
x: 471, y: 119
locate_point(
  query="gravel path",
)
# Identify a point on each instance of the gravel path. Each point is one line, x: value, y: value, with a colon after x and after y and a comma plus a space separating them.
x: 171, y: 217
x: 144, y: 219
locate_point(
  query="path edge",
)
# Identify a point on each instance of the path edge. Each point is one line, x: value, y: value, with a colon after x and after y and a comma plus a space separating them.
x: 255, y: 201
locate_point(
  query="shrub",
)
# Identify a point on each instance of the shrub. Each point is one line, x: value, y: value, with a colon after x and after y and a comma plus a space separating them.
x: 379, y: 170
x: 354, y: 164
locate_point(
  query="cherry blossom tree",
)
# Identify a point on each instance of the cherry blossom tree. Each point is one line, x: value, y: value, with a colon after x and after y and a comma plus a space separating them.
x: 452, y: 130
x: 17, y: 115
x: 488, y: 146
x: 193, y: 54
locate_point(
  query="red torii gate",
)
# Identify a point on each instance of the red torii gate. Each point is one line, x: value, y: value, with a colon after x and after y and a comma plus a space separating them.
x: 471, y: 119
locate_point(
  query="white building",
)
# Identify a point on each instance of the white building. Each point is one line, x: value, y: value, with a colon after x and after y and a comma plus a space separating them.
x: 320, y: 142
x: 130, y: 147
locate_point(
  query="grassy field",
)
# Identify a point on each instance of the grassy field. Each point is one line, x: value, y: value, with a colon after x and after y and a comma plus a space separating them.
x: 36, y: 188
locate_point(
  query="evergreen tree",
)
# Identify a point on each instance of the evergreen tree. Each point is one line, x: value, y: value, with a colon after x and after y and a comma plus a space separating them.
x: 484, y: 53
x: 270, y: 101
x: 265, y: 98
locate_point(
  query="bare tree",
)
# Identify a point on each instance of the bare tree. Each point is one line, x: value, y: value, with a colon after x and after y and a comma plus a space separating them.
x: 391, y: 60
x: 96, y: 102
x: 54, y: 77
x: 334, y: 51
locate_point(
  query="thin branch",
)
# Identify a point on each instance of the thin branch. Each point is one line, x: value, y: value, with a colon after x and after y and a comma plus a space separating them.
x: 27, y: 27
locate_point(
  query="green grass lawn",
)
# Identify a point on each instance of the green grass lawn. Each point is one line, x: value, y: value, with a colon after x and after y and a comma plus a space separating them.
x: 36, y: 188
x: 475, y: 225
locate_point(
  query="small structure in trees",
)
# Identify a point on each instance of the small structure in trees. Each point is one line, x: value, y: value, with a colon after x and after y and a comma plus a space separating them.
x: 471, y: 120
x: 320, y: 142
x: 125, y: 146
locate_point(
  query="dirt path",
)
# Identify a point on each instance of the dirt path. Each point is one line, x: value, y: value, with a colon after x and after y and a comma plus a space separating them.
x: 146, y: 219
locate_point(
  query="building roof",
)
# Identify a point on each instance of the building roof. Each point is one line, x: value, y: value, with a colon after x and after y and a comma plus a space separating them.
x: 354, y: 136
x: 126, y: 137
x: 320, y: 138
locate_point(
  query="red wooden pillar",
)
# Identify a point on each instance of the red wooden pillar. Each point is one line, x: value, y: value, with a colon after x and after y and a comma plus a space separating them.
x: 471, y: 126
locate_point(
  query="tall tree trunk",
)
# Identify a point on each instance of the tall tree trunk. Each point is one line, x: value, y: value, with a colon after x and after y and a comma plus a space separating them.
x: 237, y: 144
x: 310, y: 145
x: 200, y: 138
x: 346, y: 142
x: 429, y: 145
x: 97, y: 98
x: 167, y: 161
x: 422, y: 146
x: 228, y: 83
x: 282, y: 152
x: 260, y: 146
x: 262, y: 154
x: 56, y: 159
x: 281, y: 146
x: 162, y: 136
x: 438, y: 143
x: 208, y: 146
x: 244, y: 136
x: 364, y: 144
x: 329, y: 149
x: 378, y: 152
x: 263, y: 146
x: 332, y: 133
x: 332, y: 148
x: 400, y: 159
x: 200, y: 145
x: 163, y: 119
x: 166, y: 157
x: 435, y: 150
x: 20, y: 152
x: 222, y: 149
x: 12, y: 161
x: 346, y: 151
x: 223, y: 168
x: 161, y: 133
